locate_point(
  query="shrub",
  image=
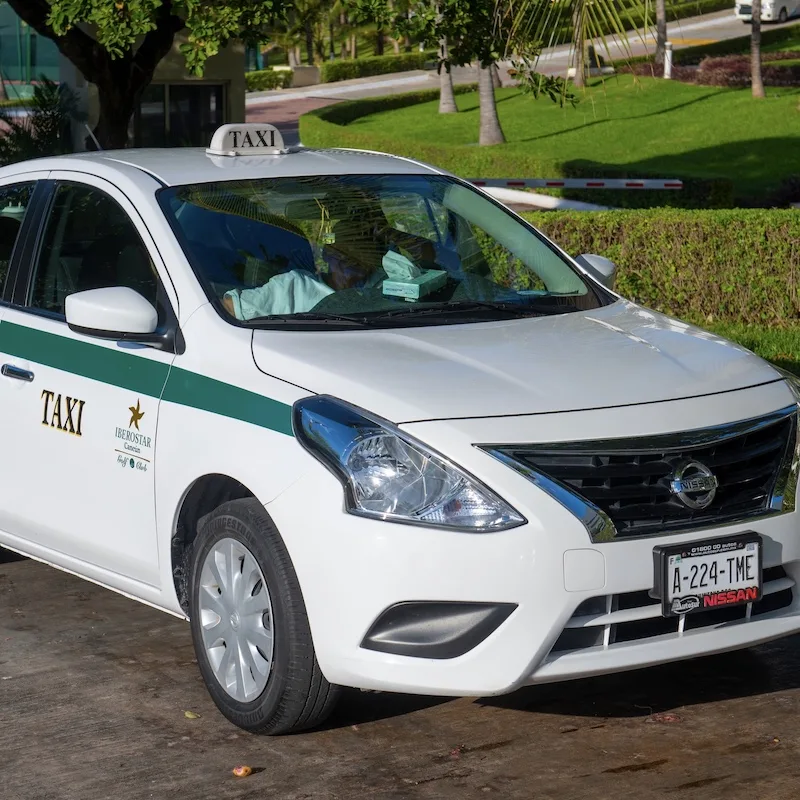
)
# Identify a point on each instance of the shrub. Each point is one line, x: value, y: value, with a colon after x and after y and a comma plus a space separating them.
x: 263, y: 79
x: 347, y: 69
x: 45, y: 129
x: 719, y: 266
x: 734, y: 71
x: 328, y: 127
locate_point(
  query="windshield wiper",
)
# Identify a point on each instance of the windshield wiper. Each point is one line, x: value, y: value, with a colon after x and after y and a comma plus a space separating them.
x: 311, y: 318
x: 465, y: 306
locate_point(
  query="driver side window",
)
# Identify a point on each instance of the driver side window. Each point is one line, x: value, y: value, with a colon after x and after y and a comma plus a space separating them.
x: 89, y: 243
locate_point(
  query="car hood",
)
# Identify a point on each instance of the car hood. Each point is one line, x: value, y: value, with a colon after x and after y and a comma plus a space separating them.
x: 618, y: 355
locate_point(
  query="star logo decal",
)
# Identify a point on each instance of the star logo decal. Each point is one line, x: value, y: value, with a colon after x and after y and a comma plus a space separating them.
x: 136, y: 415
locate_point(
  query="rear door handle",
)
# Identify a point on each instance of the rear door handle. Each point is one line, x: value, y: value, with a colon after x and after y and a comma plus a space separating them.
x: 10, y: 371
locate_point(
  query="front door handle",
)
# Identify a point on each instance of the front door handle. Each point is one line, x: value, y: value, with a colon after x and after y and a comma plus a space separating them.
x: 10, y: 371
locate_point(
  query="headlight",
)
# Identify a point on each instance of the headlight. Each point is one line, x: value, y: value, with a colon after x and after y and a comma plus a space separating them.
x: 390, y: 476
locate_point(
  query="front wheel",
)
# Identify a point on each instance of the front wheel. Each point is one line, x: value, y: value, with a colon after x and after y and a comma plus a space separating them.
x: 783, y: 16
x: 249, y: 625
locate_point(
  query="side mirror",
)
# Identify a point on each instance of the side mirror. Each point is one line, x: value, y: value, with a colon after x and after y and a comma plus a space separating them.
x: 116, y: 312
x: 600, y: 267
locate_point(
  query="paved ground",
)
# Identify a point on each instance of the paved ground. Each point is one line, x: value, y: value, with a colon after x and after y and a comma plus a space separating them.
x: 93, y: 690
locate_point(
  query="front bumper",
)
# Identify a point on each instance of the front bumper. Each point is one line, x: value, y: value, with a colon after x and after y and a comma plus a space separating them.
x: 351, y: 569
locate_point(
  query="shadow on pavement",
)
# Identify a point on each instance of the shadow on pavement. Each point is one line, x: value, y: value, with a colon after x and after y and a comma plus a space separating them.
x: 358, y: 708
x: 745, y: 673
x: 6, y: 556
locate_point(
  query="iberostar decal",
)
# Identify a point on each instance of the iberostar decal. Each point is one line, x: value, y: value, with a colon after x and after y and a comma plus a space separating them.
x: 133, y: 447
x: 64, y: 413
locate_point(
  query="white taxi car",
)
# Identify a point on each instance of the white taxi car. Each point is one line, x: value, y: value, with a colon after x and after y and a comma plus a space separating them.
x: 363, y: 426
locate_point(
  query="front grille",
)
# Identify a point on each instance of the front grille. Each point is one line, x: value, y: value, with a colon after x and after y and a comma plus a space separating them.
x: 602, y: 622
x: 746, y: 9
x: 629, y: 479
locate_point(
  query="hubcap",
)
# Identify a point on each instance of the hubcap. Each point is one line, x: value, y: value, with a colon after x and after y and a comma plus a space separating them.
x: 236, y: 620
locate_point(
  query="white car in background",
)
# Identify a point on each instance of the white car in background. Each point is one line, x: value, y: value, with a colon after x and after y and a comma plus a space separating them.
x: 771, y: 10
x: 363, y: 426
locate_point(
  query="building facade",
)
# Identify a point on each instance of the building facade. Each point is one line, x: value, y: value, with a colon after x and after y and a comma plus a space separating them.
x: 177, y: 109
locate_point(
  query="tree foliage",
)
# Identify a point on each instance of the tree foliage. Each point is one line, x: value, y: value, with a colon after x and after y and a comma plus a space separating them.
x: 117, y: 25
x: 117, y: 44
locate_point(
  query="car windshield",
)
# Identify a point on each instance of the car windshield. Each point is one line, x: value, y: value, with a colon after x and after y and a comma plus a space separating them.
x: 368, y: 250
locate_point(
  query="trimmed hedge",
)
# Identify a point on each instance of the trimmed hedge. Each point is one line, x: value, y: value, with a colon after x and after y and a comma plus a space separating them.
x: 734, y: 72
x: 261, y: 80
x: 328, y: 127
x: 731, y: 71
x: 721, y: 266
x: 346, y: 69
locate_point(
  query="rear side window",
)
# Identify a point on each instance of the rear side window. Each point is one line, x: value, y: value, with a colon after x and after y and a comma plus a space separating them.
x: 14, y: 201
x: 89, y: 243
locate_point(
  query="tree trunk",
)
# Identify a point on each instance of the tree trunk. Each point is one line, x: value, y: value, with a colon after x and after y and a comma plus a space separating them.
x: 396, y: 46
x: 332, y: 54
x: 309, y: 42
x: 353, y: 46
x: 661, y: 30
x: 579, y: 36
x: 379, y: 42
x: 117, y: 104
x: 755, y: 51
x: 447, y: 100
x: 496, y: 82
x: 490, y: 130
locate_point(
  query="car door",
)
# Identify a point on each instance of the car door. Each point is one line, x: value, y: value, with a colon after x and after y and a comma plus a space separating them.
x: 19, y: 198
x: 84, y: 410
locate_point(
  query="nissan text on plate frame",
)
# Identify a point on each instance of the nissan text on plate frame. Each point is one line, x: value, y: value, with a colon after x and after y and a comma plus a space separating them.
x: 364, y: 426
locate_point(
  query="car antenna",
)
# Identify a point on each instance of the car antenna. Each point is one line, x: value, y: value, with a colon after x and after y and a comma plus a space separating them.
x: 94, y: 138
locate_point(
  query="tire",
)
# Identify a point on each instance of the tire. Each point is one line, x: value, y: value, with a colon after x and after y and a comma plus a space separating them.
x: 783, y: 15
x: 280, y: 688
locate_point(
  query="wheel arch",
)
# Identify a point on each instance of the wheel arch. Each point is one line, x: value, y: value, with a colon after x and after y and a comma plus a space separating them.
x: 205, y: 494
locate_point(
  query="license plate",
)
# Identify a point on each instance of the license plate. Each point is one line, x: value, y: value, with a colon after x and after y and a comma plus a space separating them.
x: 703, y: 576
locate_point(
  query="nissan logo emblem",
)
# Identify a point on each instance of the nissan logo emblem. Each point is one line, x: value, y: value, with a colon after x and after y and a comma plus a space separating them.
x: 694, y: 484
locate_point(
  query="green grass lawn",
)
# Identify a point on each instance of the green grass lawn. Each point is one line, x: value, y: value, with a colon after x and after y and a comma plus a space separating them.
x: 791, y: 43
x: 781, y: 346
x: 649, y: 126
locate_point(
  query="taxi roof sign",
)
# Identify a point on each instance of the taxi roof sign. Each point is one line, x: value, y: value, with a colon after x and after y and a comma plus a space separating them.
x: 246, y: 139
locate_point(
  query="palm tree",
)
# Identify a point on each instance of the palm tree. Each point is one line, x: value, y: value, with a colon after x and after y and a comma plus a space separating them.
x: 579, y: 36
x: 490, y: 130
x: 661, y: 30
x: 755, y: 52
x: 582, y: 21
x: 447, y: 99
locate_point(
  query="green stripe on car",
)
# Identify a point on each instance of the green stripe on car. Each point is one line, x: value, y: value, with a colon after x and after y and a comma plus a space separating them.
x: 144, y: 376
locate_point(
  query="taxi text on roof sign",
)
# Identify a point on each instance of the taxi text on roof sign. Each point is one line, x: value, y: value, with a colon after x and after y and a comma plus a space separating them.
x: 246, y: 139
